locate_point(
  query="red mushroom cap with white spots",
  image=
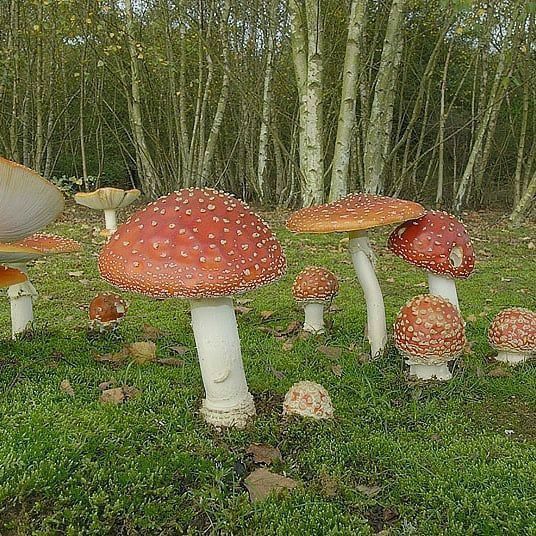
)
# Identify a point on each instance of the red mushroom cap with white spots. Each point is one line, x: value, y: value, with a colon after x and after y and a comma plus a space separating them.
x: 308, y: 399
x: 193, y: 243
x: 437, y: 242
x: 315, y: 283
x: 107, y: 308
x: 513, y: 329
x: 429, y: 330
x: 354, y: 212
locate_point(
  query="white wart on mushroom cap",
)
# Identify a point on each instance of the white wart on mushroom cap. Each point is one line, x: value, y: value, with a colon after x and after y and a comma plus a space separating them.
x: 193, y: 243
x: 28, y: 202
x: 514, y: 330
x: 107, y: 198
x: 429, y: 330
x: 308, y: 399
x: 315, y: 283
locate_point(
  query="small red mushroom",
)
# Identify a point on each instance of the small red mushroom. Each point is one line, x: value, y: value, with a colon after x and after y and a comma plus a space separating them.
x: 438, y: 243
x: 106, y: 311
x: 314, y: 287
x: 513, y: 333
x: 430, y: 332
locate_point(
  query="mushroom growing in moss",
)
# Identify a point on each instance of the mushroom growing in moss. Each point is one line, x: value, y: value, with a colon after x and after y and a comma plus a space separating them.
x: 106, y: 311
x: 308, y: 399
x: 205, y: 246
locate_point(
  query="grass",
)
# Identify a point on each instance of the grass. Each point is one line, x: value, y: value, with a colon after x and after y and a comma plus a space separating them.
x: 452, y: 458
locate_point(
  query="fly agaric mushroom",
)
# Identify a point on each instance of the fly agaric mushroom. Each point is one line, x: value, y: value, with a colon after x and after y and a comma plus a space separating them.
x: 356, y: 214
x: 308, y: 399
x: 28, y: 202
x: 106, y: 311
x: 314, y: 287
x: 17, y: 255
x: 438, y: 243
x: 108, y: 200
x: 205, y: 246
x: 513, y: 333
x: 11, y: 276
x: 430, y: 332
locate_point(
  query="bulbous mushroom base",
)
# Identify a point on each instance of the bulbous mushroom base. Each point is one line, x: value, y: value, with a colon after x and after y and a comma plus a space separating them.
x: 438, y: 372
x: 314, y: 317
x: 512, y: 358
x: 237, y: 416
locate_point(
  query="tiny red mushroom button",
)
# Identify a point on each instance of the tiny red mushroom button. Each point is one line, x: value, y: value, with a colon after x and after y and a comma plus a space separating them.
x: 315, y: 283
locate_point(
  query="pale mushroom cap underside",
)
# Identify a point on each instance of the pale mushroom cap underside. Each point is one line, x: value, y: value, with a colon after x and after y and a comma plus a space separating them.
x: 436, y: 242
x: 308, y: 399
x: 35, y: 246
x: 354, y: 212
x: 315, y: 283
x: 193, y: 243
x: 107, y: 198
x: 513, y: 329
x: 429, y: 330
x: 28, y: 202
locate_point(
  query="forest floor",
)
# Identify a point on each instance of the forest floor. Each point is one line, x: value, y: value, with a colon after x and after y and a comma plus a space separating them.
x: 453, y: 458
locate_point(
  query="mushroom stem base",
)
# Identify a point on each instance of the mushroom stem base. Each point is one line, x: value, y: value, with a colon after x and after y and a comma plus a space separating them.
x: 228, y: 401
x: 430, y: 372
x: 512, y: 358
x: 445, y: 287
x: 314, y: 317
x: 21, y: 298
x: 363, y: 260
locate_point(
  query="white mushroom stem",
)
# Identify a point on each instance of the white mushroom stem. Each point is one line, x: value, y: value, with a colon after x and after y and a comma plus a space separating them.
x: 314, y: 317
x: 512, y: 358
x: 444, y: 287
x: 110, y: 219
x: 430, y: 372
x: 228, y: 401
x: 363, y: 260
x: 21, y: 298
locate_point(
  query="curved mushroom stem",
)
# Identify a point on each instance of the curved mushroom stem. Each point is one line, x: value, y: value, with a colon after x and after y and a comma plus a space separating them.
x: 314, y: 317
x: 110, y: 219
x: 363, y: 260
x: 228, y: 401
x: 444, y: 287
x: 21, y: 298
x: 439, y: 372
x: 512, y: 358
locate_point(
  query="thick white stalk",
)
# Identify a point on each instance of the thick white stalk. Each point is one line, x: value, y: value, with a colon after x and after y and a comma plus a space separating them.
x: 444, y: 287
x: 228, y: 401
x: 363, y: 260
x: 314, y: 317
x: 110, y: 219
x: 21, y: 298
x: 512, y: 358
x: 430, y: 372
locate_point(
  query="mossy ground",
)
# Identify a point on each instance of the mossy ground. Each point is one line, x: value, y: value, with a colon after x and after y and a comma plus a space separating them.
x: 452, y: 458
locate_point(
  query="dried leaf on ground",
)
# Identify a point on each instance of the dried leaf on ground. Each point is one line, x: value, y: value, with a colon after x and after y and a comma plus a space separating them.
x: 242, y: 310
x: 288, y: 345
x: 103, y: 386
x: 294, y: 326
x: 152, y: 333
x: 499, y: 372
x: 65, y: 387
x: 330, y: 351
x: 262, y: 482
x: 116, y: 358
x: 119, y: 395
x: 265, y: 315
x: 170, y: 361
x: 142, y: 352
x: 180, y: 350
x: 369, y: 491
x: 262, y: 453
x: 337, y: 370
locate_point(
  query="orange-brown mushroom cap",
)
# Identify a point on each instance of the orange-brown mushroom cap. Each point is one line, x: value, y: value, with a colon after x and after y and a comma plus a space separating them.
x: 11, y: 276
x: 315, y: 283
x: 107, y: 308
x: 354, y: 212
x: 193, y: 243
x: 513, y: 329
x: 429, y: 330
x: 35, y: 246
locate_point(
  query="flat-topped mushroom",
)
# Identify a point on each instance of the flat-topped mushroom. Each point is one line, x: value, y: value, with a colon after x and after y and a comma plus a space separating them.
x: 430, y: 332
x: 513, y: 333
x: 28, y: 202
x: 109, y: 200
x: 205, y: 246
x: 106, y: 311
x: 308, y: 399
x: 438, y: 243
x: 356, y: 214
x: 314, y: 287
x: 17, y: 255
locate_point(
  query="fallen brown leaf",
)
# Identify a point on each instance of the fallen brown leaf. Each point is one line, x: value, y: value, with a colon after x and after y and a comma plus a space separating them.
x: 499, y: 372
x: 103, y: 386
x: 330, y: 351
x: 337, y: 370
x: 242, y: 310
x: 170, y: 361
x: 65, y: 387
x: 119, y: 395
x: 262, y: 453
x: 288, y: 345
x: 262, y: 482
x: 265, y: 315
x: 152, y: 333
x: 369, y: 491
x: 180, y: 350
x: 142, y: 352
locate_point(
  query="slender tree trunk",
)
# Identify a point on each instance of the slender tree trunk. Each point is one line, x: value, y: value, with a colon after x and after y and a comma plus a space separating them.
x: 525, y: 204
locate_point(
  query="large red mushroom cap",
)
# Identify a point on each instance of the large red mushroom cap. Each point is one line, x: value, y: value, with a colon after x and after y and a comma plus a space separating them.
x: 11, y: 276
x: 437, y: 242
x: 429, y: 330
x: 194, y: 243
x: 106, y: 310
x: 354, y: 212
x: 315, y: 283
x: 513, y: 330
x: 35, y: 246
